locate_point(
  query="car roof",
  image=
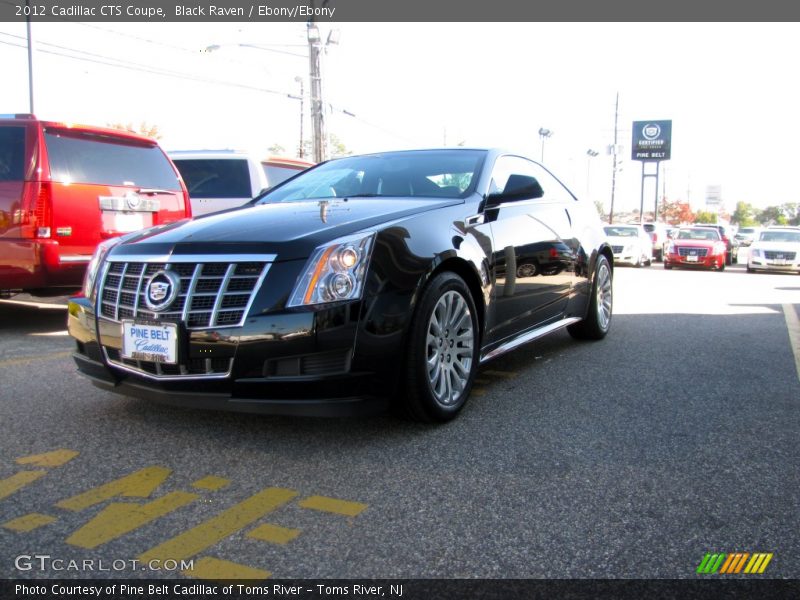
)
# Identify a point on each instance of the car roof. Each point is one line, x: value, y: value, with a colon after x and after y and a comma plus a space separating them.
x: 29, y: 119
x: 237, y: 155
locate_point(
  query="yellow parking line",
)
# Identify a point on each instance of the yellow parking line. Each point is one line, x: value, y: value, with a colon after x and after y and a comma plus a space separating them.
x: 140, y: 484
x: 332, y: 505
x: 793, y: 325
x: 216, y: 569
x: 273, y: 534
x: 27, y: 359
x: 120, y: 518
x: 211, y: 483
x: 28, y: 522
x: 56, y: 458
x: 17, y: 481
x: 216, y: 529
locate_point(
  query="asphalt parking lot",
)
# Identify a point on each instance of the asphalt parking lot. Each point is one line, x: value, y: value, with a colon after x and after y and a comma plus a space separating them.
x: 633, y: 457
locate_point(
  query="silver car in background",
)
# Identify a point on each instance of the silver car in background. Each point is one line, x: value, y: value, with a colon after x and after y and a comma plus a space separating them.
x: 630, y: 243
x: 776, y: 249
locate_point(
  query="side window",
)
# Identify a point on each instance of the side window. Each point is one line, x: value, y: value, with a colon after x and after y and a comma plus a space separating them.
x: 510, y: 171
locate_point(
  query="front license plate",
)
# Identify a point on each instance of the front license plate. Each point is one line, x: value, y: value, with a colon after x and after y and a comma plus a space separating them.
x: 779, y: 262
x: 691, y: 259
x: 154, y: 343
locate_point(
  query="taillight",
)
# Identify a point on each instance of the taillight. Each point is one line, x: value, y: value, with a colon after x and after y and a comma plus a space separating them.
x: 42, y: 211
x: 37, y: 210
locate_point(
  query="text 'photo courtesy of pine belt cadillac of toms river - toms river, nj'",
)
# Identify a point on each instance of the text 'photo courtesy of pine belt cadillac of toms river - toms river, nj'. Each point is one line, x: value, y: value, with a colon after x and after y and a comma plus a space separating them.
x: 360, y: 284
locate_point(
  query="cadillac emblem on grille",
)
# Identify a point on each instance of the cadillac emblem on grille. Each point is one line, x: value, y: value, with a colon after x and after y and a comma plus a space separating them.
x: 161, y: 290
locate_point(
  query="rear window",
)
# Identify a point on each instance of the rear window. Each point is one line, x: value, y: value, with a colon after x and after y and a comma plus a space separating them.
x: 101, y: 160
x: 215, y: 178
x: 12, y: 153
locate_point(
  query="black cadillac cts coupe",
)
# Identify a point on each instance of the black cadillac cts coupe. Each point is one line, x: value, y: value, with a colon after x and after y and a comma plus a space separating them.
x: 362, y: 281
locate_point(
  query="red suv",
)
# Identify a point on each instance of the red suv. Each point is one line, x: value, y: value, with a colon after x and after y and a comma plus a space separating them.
x: 64, y: 188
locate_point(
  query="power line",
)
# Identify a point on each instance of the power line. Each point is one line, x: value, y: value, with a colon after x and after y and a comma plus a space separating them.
x: 143, y: 68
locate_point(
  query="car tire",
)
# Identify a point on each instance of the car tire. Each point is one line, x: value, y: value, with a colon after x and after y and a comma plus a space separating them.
x: 721, y: 266
x: 597, y: 322
x: 749, y: 270
x: 442, y: 353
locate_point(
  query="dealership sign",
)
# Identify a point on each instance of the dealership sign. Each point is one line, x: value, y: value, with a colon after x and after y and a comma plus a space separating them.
x: 651, y: 140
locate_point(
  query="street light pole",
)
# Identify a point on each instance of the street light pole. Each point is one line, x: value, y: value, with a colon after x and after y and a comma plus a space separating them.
x: 590, y: 154
x: 544, y: 134
x: 30, y: 55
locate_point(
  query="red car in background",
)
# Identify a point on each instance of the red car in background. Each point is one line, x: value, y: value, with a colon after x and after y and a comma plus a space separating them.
x: 698, y: 247
x: 65, y: 188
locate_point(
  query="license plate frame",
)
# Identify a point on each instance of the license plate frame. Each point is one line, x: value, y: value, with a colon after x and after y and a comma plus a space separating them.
x: 148, y: 341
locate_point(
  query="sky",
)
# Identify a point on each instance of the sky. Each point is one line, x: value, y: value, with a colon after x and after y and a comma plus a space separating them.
x: 729, y: 88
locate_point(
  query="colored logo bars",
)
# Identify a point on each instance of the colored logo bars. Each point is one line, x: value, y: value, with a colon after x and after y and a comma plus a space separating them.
x: 733, y: 563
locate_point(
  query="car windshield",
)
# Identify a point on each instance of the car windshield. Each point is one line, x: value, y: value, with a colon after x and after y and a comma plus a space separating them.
x: 622, y: 231
x: 425, y: 173
x: 698, y: 234
x: 780, y: 236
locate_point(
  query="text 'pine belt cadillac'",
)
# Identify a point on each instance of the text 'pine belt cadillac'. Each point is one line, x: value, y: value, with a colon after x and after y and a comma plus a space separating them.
x: 360, y: 282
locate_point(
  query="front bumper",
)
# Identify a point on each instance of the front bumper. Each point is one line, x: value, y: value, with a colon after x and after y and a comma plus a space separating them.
x: 764, y: 264
x: 626, y: 258
x: 713, y: 261
x: 292, y: 363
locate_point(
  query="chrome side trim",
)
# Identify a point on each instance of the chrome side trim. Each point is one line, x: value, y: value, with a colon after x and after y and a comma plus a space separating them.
x: 529, y: 337
x: 183, y: 258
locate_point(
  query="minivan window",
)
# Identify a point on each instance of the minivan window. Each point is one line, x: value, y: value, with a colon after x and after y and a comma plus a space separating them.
x: 102, y: 160
x: 12, y: 153
x: 276, y: 174
x: 215, y: 178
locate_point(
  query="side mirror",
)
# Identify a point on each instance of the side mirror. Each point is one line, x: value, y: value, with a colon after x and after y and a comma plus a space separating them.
x: 518, y: 187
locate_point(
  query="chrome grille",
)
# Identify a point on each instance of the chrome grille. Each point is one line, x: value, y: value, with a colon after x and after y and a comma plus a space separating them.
x: 214, y: 292
x: 213, y: 367
x: 616, y: 249
x: 773, y: 254
x: 693, y: 251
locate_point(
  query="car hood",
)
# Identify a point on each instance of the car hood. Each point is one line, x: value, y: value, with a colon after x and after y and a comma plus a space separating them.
x: 776, y: 246
x: 697, y: 243
x: 290, y: 230
x: 623, y: 240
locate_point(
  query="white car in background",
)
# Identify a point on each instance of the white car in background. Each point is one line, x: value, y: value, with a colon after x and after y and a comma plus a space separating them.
x: 630, y: 243
x: 776, y: 249
x: 222, y: 179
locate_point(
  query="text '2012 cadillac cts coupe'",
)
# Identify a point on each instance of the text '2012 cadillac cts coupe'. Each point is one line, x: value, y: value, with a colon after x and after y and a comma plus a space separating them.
x: 362, y: 281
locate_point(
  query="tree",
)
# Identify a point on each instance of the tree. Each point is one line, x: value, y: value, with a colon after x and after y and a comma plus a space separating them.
x: 705, y: 216
x: 144, y: 129
x: 676, y: 212
x: 277, y: 149
x: 744, y: 215
x: 773, y: 215
x: 336, y: 147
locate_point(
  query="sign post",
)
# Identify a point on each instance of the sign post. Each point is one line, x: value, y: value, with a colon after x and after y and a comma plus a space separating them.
x: 652, y: 143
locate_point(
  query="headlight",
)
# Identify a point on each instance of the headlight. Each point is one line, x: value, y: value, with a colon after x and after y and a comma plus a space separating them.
x: 630, y: 249
x: 90, y: 278
x: 755, y: 253
x: 720, y: 248
x: 671, y: 248
x: 335, y: 272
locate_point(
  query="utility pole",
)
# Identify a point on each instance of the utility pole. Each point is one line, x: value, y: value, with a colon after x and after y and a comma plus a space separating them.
x: 317, y: 107
x: 614, y: 163
x: 301, y: 152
